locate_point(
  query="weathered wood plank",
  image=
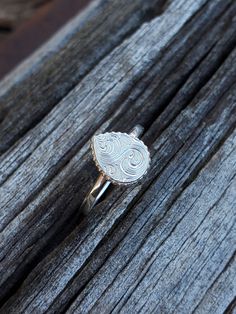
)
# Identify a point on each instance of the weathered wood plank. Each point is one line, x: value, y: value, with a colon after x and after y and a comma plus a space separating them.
x: 34, y: 213
x: 58, y: 67
x: 221, y: 292
x: 175, y: 75
x: 96, y: 88
x: 149, y: 280
x: 74, y: 252
x: 19, y: 153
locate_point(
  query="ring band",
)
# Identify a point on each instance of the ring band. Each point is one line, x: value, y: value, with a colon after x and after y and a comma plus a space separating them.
x: 121, y: 159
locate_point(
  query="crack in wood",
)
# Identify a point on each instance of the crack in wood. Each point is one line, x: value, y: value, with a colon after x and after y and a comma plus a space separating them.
x: 176, y: 78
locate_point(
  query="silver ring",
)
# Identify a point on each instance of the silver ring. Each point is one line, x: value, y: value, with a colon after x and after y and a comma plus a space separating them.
x: 121, y: 159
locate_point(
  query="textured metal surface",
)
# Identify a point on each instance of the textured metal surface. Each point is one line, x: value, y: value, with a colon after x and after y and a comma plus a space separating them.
x: 123, y: 158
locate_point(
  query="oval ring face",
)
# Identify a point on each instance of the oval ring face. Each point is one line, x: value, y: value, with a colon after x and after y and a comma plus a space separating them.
x: 122, y: 158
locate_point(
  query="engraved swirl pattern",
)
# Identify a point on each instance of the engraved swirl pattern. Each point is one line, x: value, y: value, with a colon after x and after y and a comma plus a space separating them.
x: 120, y: 156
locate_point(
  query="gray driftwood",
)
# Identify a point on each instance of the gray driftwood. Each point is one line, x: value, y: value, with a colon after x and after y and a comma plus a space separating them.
x: 164, y: 246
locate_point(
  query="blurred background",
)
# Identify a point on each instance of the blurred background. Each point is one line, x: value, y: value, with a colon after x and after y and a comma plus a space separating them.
x: 26, y: 24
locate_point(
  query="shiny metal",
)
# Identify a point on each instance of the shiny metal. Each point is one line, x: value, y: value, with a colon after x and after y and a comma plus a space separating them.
x: 121, y: 159
x: 95, y: 194
x: 137, y: 131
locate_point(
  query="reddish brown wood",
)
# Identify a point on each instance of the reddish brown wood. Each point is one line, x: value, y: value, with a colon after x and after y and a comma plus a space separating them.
x: 32, y: 33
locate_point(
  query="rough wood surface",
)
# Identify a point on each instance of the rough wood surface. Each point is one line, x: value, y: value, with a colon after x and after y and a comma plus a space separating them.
x: 166, y: 245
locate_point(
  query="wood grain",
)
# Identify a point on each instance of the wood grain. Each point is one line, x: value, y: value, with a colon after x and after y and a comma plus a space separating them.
x: 163, y: 246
